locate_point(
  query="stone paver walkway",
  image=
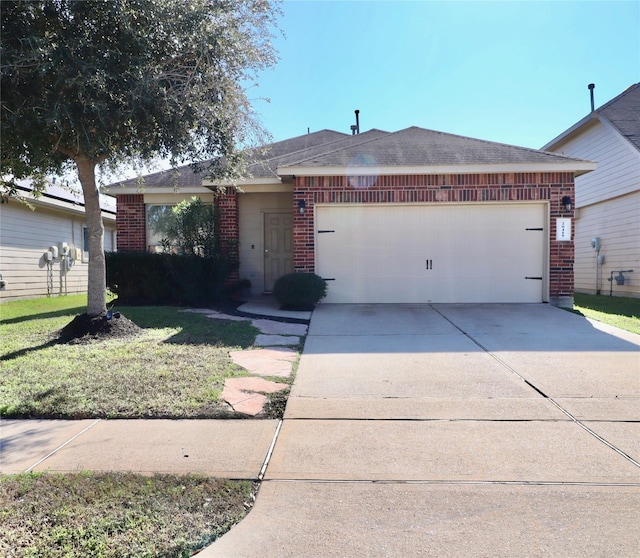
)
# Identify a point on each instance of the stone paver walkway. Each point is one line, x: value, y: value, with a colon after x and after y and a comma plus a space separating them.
x: 275, y: 361
x: 247, y: 395
x: 272, y: 332
x: 276, y: 340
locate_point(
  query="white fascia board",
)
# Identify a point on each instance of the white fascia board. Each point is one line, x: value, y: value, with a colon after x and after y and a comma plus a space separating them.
x: 108, y: 217
x: 570, y: 132
x: 118, y: 190
x: 68, y: 207
x: 578, y: 167
x: 43, y: 201
x: 60, y: 198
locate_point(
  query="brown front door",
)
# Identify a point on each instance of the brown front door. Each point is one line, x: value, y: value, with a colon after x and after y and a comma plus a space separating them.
x: 278, y: 247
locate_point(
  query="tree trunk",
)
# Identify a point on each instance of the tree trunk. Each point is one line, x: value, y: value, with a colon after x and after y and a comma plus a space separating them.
x: 97, y: 280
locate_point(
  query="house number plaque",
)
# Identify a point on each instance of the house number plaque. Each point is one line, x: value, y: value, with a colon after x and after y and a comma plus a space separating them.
x: 563, y: 228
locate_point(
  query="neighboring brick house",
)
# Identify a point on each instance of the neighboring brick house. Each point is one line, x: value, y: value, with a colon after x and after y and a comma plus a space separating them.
x: 411, y: 216
x: 607, y: 200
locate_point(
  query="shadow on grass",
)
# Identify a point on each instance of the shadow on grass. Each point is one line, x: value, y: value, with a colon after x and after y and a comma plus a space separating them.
x: 26, y: 351
x: 194, y: 328
x: 71, y: 312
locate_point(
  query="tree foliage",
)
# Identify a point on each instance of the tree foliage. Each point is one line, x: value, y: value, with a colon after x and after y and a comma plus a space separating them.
x: 121, y: 79
x: 113, y: 81
x: 192, y: 228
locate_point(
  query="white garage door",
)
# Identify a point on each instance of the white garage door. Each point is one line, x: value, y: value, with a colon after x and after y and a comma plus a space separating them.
x: 427, y: 253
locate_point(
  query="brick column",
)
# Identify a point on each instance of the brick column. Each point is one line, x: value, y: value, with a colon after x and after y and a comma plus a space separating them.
x: 304, y: 256
x: 131, y: 223
x: 228, y: 228
x: 561, y: 252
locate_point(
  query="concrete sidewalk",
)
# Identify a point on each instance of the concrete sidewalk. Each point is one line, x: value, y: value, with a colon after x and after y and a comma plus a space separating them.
x: 475, y: 430
x: 218, y: 448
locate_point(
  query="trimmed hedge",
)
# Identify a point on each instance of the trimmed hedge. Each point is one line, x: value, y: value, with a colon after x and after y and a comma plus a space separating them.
x: 299, y: 290
x: 184, y: 280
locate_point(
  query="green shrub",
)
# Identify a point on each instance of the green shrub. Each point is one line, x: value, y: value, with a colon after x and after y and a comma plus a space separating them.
x: 185, y: 280
x: 299, y: 290
x: 192, y: 228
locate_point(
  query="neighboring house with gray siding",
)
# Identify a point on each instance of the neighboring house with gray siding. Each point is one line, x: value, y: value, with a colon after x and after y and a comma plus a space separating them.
x: 608, y: 199
x: 27, y: 235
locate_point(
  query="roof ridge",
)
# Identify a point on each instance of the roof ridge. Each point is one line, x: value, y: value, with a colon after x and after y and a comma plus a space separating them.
x: 628, y: 90
x: 298, y: 137
x: 300, y: 150
x: 613, y: 114
x: 363, y: 142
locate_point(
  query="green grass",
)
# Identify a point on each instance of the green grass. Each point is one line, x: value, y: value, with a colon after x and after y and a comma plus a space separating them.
x: 116, y: 515
x: 175, y: 368
x: 617, y: 311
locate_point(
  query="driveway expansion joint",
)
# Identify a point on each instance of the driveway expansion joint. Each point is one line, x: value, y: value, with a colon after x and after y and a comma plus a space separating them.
x: 538, y: 390
x: 452, y: 482
x: 267, y: 458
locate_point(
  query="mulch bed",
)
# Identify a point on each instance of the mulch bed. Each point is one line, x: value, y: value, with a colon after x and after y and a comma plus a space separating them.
x: 85, y: 329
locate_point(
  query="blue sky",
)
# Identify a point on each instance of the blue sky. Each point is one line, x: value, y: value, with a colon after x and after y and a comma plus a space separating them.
x: 512, y: 72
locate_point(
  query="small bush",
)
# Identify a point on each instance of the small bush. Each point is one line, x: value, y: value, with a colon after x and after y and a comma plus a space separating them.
x: 299, y: 291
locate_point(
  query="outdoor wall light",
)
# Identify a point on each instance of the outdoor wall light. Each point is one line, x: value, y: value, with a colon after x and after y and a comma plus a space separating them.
x: 566, y: 203
x: 301, y: 206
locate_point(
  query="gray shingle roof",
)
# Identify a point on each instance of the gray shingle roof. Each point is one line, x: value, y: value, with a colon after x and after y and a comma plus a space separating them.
x: 418, y: 147
x: 184, y: 176
x: 412, y: 147
x: 623, y: 112
x: 268, y: 166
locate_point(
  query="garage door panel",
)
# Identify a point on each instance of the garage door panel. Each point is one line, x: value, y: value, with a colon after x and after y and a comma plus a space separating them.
x: 452, y: 253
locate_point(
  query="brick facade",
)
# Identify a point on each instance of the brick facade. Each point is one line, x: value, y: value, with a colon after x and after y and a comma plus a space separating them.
x: 131, y: 223
x: 456, y: 188
x: 463, y: 188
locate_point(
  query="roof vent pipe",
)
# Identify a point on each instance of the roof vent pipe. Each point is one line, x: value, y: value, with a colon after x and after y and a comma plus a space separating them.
x: 357, y: 121
x: 591, y: 87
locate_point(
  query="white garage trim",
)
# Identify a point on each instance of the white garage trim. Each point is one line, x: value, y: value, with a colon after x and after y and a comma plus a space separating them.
x: 440, y: 253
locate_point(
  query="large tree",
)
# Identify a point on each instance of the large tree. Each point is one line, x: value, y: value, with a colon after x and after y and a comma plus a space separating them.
x: 97, y: 82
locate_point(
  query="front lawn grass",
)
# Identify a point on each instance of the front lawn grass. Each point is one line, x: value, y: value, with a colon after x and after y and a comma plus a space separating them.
x: 617, y: 311
x: 113, y: 515
x: 175, y: 368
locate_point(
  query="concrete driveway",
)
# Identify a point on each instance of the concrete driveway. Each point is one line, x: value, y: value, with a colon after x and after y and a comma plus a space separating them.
x: 453, y: 430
